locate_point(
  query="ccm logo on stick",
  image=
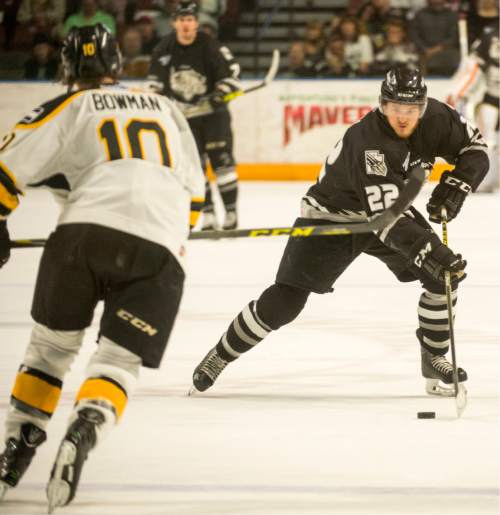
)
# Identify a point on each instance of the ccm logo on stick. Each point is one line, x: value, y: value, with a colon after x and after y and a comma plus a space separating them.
x: 294, y: 231
x: 136, y: 322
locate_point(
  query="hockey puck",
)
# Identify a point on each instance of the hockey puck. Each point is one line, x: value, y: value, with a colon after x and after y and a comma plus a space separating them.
x: 426, y: 414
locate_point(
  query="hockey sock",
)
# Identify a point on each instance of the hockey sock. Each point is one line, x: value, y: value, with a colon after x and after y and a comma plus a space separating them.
x: 227, y: 183
x: 103, y: 393
x: 244, y: 332
x: 434, y: 329
x: 209, y: 203
x: 35, y: 396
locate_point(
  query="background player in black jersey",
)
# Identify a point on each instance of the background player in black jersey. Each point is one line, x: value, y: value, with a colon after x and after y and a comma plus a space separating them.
x: 191, y: 66
x: 360, y: 178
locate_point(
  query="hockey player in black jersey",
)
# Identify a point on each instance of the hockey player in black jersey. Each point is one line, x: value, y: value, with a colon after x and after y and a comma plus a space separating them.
x: 190, y: 66
x: 360, y: 178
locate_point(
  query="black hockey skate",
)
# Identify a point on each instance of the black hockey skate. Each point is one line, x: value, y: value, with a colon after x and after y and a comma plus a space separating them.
x: 80, y: 439
x: 438, y: 372
x: 17, y: 456
x: 208, y: 371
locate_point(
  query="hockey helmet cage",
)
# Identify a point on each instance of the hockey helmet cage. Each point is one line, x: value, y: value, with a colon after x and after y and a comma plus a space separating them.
x: 404, y: 85
x: 186, y: 8
x: 90, y: 53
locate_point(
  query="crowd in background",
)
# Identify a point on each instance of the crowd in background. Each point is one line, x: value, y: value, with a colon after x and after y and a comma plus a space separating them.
x: 31, y: 31
x: 364, y: 38
x: 368, y: 38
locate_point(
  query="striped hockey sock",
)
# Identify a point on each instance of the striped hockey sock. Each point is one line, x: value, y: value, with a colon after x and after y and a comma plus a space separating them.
x: 244, y: 332
x: 434, y: 328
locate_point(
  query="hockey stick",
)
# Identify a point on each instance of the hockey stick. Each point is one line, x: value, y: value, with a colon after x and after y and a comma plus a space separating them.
x: 406, y: 197
x: 401, y: 204
x: 205, y: 107
x: 463, y: 38
x: 460, y: 391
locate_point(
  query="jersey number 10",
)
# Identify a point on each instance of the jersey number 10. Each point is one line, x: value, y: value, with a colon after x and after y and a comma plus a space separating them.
x: 109, y: 134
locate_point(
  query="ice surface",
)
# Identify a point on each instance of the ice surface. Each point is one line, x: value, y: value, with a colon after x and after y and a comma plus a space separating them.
x: 321, y: 418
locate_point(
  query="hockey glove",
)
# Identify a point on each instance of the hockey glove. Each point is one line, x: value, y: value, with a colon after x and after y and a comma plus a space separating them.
x: 449, y: 193
x: 216, y: 99
x: 434, y: 259
x: 4, y: 243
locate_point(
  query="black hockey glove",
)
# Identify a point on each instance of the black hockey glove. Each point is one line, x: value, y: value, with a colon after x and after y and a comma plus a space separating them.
x: 434, y: 259
x: 449, y: 193
x: 4, y: 243
x: 216, y: 99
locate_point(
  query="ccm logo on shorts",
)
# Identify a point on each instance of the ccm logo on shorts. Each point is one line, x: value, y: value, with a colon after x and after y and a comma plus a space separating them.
x: 136, y: 322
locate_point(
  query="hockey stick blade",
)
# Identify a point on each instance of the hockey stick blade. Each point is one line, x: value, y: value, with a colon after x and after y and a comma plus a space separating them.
x: 204, y: 107
x: 271, y: 73
x: 402, y: 203
x: 406, y: 197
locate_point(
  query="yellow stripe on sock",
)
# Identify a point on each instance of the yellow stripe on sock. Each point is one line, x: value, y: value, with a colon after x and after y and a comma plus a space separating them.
x: 193, y: 218
x: 101, y: 389
x: 36, y: 392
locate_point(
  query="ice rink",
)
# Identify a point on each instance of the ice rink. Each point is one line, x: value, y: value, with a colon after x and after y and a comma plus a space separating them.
x: 318, y: 419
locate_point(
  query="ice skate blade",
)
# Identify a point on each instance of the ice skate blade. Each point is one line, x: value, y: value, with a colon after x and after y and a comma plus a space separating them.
x: 435, y: 387
x: 193, y: 391
x: 58, y: 490
x: 3, y: 490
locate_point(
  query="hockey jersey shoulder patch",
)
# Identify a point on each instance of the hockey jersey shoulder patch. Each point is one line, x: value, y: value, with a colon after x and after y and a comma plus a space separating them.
x: 46, y: 111
x: 375, y: 163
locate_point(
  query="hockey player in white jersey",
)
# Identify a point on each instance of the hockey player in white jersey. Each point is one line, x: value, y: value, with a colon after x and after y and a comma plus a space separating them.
x: 480, y: 73
x: 124, y: 164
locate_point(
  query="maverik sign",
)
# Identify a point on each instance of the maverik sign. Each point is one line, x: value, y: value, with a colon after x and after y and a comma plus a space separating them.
x: 299, y: 121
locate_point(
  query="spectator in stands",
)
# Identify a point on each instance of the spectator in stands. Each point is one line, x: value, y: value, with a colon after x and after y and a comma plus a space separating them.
x: 150, y: 39
x: 374, y: 15
x: 38, y: 16
x: 209, y: 13
x: 332, y: 27
x: 396, y: 49
x: 435, y: 34
x: 44, y: 62
x: 163, y: 22
x: 135, y: 63
x: 298, y: 65
x: 8, y: 22
x: 89, y: 14
x: 229, y: 21
x: 357, y: 46
x: 314, y: 41
x: 334, y: 63
x: 481, y: 14
x: 409, y: 7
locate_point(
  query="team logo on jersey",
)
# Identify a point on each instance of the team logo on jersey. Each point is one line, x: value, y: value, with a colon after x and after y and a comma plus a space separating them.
x: 187, y: 83
x: 375, y: 163
x: 164, y: 59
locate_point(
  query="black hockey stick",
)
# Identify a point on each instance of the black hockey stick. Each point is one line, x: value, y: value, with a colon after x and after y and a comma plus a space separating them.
x: 460, y: 391
x: 402, y: 203
x: 387, y: 217
x: 204, y: 107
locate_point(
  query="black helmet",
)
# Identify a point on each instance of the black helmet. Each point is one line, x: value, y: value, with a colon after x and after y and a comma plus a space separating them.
x: 404, y: 85
x: 186, y: 8
x: 90, y: 53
